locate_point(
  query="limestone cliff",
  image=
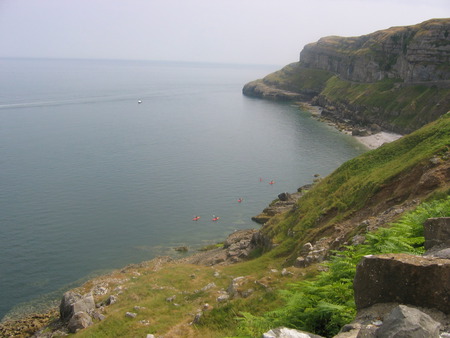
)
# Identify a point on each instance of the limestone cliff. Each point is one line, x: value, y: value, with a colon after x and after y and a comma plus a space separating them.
x: 412, y: 54
x: 397, y: 79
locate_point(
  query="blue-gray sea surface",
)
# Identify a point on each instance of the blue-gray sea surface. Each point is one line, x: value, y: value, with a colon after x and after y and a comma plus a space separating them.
x: 91, y: 180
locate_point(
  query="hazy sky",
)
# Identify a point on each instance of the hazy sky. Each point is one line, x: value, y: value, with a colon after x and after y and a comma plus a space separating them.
x: 229, y: 31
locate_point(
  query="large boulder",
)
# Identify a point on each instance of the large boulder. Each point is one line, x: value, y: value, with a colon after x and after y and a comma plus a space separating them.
x: 407, y: 322
x: 437, y: 232
x: 404, y: 279
x: 80, y: 320
x: 284, y: 332
x: 73, y: 302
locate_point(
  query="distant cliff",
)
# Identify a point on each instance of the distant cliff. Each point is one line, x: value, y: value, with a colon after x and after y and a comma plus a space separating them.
x: 398, y: 78
x: 411, y: 54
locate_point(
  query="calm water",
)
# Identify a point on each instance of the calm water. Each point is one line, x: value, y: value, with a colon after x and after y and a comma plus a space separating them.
x: 91, y: 180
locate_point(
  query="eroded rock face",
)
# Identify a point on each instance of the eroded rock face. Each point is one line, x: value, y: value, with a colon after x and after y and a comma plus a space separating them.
x: 412, y: 53
x: 404, y: 279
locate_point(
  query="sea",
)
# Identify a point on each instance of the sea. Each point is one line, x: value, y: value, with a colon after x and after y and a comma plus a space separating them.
x: 104, y: 163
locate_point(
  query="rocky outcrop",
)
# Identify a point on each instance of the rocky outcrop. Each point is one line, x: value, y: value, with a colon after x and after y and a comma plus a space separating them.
x: 237, y: 247
x: 261, y: 90
x: 285, y: 202
x: 418, y: 53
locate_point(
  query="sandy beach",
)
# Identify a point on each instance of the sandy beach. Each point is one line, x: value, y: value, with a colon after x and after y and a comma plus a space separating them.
x: 372, y: 141
x: 376, y: 140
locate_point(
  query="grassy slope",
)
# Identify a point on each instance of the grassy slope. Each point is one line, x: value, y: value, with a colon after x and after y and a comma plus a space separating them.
x: 346, y: 190
x: 402, y: 108
x: 405, y: 108
x: 352, y: 185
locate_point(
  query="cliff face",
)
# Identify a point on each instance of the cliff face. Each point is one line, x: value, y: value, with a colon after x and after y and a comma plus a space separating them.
x: 412, y: 54
x: 396, y: 79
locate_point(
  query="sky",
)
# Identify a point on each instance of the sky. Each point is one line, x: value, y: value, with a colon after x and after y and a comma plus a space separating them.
x: 271, y: 32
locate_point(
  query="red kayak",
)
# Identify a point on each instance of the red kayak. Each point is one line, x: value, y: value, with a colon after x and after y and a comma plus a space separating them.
x: 215, y: 219
x: 196, y: 218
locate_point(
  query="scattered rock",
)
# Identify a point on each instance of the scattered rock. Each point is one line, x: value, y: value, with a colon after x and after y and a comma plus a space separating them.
x: 286, y: 272
x: 223, y: 298
x: 311, y: 254
x: 208, y: 287
x: 197, y: 318
x: 236, y: 285
x: 171, y: 299
x: 131, y: 314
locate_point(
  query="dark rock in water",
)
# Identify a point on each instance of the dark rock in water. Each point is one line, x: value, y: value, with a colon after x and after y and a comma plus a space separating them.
x: 182, y: 249
x: 404, y: 279
x: 80, y: 320
x: 404, y: 321
x: 72, y: 303
x: 284, y: 196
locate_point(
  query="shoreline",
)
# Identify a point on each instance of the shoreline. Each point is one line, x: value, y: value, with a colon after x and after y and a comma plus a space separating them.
x: 372, y: 141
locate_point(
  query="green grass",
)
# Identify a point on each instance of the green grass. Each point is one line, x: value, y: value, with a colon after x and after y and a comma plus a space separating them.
x: 325, y: 304
x: 296, y: 78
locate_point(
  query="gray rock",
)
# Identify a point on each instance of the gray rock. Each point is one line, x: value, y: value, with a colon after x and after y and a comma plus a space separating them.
x: 444, y: 253
x: 208, y: 286
x: 73, y: 302
x: 407, y: 322
x: 80, y: 320
x: 284, y: 332
x: 131, y: 314
x: 223, y: 298
x: 171, y: 299
x: 197, y: 318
